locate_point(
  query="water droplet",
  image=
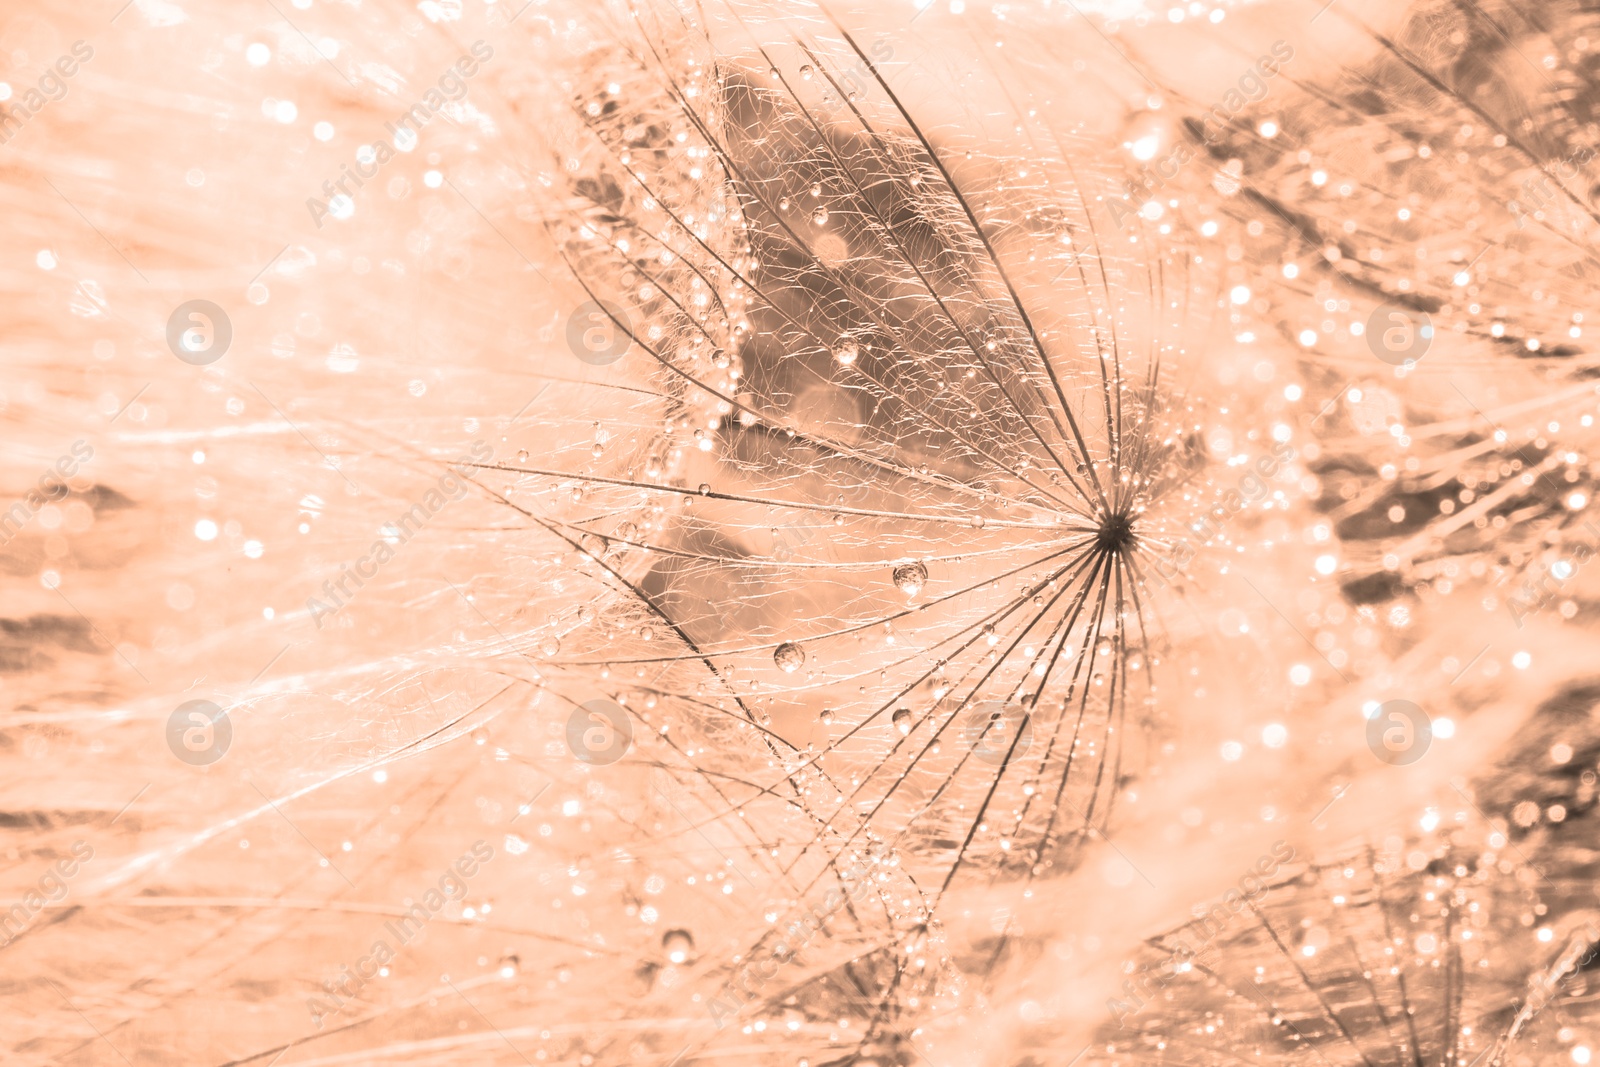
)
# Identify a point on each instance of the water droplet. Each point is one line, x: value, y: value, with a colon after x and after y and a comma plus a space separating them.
x: 826, y: 716
x: 816, y: 189
x: 705, y: 489
x: 678, y: 945
x: 480, y: 736
x: 976, y: 522
x: 846, y: 353
x: 805, y: 71
x: 788, y: 657
x: 550, y: 645
x: 647, y: 633
x: 1103, y: 646
x: 820, y: 216
x: 720, y: 360
x: 783, y: 203
x: 628, y: 532
x: 902, y: 720
x: 522, y: 455
x: 773, y: 71
x: 585, y: 613
x: 593, y: 544
x: 909, y: 578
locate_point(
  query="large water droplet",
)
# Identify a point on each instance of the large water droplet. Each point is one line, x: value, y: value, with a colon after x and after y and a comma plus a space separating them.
x: 678, y: 945
x: 846, y: 353
x: 909, y: 578
x: 805, y: 71
x: 826, y: 716
x: 902, y: 720
x: 789, y: 657
x: 550, y: 645
x: 820, y: 216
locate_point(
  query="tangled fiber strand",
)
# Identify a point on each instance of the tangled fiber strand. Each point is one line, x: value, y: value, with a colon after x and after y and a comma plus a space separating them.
x: 1403, y: 954
x: 1432, y: 201
x: 887, y: 589
x: 1475, y: 943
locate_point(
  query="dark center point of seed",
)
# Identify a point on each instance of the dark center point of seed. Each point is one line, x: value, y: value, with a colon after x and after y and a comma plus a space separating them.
x: 1115, y: 534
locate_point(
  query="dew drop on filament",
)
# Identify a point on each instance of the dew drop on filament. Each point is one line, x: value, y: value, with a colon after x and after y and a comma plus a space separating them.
x: 678, y: 945
x: 910, y: 577
x: 789, y: 657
